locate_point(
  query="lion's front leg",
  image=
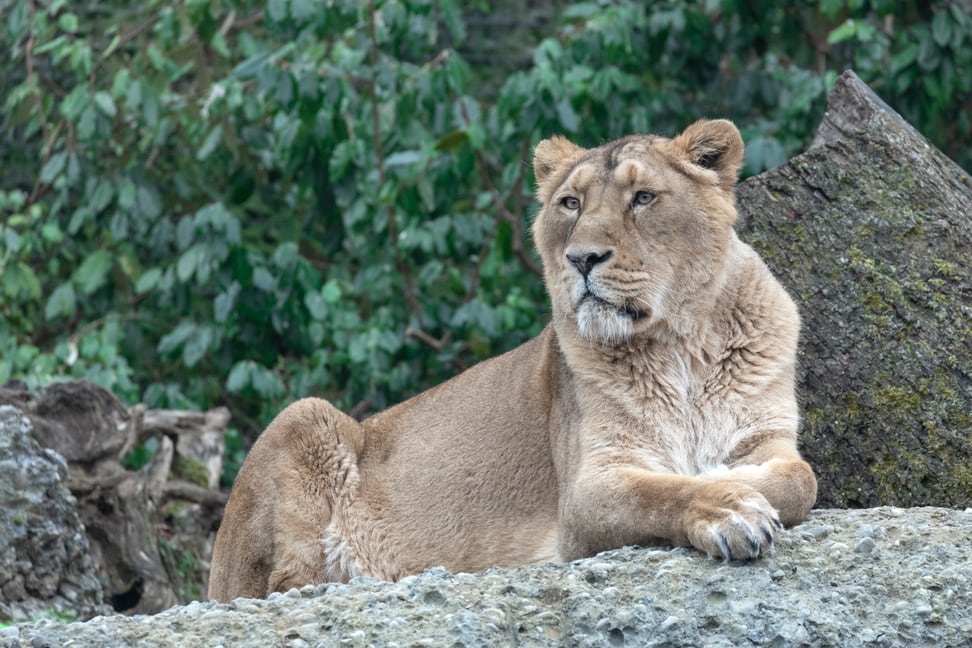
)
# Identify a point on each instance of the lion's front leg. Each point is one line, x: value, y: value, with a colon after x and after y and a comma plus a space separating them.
x: 613, y: 506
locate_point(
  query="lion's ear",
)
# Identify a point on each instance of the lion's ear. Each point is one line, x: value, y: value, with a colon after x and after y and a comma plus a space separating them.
x: 713, y: 144
x: 552, y: 154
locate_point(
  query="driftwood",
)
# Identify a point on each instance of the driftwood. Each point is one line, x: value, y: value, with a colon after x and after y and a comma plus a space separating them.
x: 150, y: 530
x: 870, y: 230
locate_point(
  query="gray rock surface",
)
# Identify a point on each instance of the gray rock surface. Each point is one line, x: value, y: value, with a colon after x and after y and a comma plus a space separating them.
x: 870, y: 577
x: 45, y: 567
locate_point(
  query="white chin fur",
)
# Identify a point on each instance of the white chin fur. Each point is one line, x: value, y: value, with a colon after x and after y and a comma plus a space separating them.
x: 600, y: 323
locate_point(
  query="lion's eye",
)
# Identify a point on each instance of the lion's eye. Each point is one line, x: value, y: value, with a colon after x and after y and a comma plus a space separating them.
x: 570, y: 203
x: 642, y: 198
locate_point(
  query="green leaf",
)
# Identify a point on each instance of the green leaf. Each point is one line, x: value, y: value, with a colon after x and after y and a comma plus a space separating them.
x: 263, y: 280
x: 185, y: 232
x: 60, y: 303
x: 74, y: 102
x: 52, y: 233
x: 582, y: 10
x: 426, y: 192
x: 266, y: 383
x: 389, y: 341
x: 277, y: 10
x: 197, y: 345
x: 80, y: 216
x: 190, y: 261
x: 566, y: 115
x: 358, y: 349
x: 830, y: 8
x: 452, y: 17
x: 93, y: 271
x: 126, y: 194
x: 301, y: 10
x: 87, y: 122
x: 30, y: 283
x: 53, y: 167
x: 316, y: 305
x: 251, y: 66
x: 844, y: 32
x: 904, y: 57
x: 240, y: 376
x: 147, y: 201
x: 58, y: 43
x: 224, y: 303
x: 20, y: 279
x: 400, y: 158
x: 176, y: 339
x: 148, y: 280
x: 73, y: 168
x: 68, y: 22
x: 11, y: 239
x: 105, y: 104
x: 941, y: 28
x: 286, y: 255
x: 210, y: 143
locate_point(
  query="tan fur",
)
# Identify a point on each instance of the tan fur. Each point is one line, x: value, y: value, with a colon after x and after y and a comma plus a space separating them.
x: 657, y: 407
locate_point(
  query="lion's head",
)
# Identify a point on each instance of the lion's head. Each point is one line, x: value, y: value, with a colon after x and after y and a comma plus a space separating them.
x: 635, y: 234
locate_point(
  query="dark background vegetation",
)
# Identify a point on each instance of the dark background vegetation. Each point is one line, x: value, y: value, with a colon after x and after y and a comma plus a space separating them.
x: 210, y: 202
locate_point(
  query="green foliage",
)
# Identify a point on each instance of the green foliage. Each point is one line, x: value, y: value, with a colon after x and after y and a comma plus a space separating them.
x: 223, y: 201
x: 183, y: 569
x: 52, y: 614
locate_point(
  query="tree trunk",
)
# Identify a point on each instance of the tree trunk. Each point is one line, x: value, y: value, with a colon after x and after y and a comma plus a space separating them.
x: 870, y: 231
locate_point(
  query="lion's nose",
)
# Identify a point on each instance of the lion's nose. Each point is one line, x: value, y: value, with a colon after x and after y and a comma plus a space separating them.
x: 585, y: 261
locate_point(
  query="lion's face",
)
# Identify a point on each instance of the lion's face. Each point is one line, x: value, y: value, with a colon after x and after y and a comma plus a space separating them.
x: 632, y: 232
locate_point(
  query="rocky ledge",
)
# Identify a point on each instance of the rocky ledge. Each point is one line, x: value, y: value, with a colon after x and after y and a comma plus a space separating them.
x: 868, y: 577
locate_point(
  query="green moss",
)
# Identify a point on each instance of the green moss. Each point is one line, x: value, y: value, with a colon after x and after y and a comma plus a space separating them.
x: 876, y: 303
x: 945, y: 268
x: 190, y: 470
x: 897, y: 399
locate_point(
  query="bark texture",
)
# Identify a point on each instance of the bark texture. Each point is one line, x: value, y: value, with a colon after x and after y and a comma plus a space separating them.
x: 870, y: 231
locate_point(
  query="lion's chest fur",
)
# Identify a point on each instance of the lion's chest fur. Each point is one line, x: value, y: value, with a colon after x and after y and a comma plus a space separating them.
x: 661, y: 407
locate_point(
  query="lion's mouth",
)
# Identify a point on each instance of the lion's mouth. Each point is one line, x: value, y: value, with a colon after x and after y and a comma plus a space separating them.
x: 626, y: 309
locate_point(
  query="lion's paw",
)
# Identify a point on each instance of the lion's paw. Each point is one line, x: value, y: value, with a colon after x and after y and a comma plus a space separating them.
x: 730, y: 520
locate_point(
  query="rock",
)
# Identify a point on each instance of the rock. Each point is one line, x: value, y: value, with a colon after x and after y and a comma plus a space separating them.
x: 45, y: 566
x: 870, y: 230
x: 914, y: 587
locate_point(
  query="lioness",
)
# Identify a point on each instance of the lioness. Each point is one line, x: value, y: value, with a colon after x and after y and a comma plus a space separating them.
x: 657, y: 407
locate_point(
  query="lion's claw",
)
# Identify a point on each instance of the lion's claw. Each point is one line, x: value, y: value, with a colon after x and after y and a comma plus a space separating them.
x: 731, y: 521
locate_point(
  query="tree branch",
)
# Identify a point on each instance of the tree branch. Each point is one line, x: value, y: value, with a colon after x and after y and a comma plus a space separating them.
x: 183, y: 490
x: 503, y: 213
x: 411, y: 295
x: 31, y: 75
x: 437, y: 344
x: 35, y: 95
x: 400, y: 265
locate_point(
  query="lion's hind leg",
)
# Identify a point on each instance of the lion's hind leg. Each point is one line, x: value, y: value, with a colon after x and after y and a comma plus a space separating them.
x: 281, y: 508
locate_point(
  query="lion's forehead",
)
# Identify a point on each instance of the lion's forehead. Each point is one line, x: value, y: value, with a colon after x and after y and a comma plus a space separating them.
x: 627, y: 163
